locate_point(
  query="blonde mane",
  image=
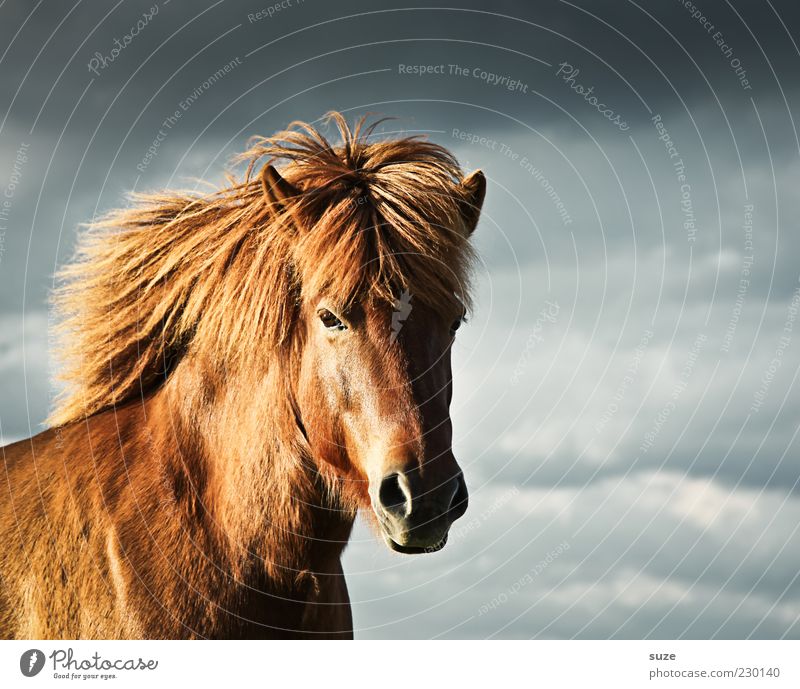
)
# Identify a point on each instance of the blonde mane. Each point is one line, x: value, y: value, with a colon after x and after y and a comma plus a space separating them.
x: 223, y: 273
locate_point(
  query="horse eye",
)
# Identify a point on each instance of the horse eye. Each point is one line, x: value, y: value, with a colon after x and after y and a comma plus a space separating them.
x: 456, y: 325
x: 330, y: 321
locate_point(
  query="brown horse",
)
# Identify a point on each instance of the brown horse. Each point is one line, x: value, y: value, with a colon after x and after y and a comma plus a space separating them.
x: 244, y: 370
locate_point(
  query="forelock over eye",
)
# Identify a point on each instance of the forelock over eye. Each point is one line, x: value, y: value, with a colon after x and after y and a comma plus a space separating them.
x: 330, y: 321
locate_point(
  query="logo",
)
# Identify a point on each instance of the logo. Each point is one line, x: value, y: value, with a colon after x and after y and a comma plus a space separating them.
x: 31, y: 662
x: 402, y: 310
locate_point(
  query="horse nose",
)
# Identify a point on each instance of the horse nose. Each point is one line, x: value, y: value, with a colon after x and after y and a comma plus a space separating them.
x: 397, y: 496
x: 419, y: 515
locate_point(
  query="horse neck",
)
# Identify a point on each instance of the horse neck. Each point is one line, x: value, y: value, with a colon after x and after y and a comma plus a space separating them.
x: 237, y: 445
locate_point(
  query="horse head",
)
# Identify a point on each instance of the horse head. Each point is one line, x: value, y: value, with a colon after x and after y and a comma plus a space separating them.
x: 379, y: 259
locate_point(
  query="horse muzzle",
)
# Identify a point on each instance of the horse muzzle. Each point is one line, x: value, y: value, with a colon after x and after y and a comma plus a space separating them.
x: 415, y: 520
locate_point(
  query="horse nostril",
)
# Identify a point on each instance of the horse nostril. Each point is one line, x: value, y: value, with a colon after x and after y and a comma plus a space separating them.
x: 394, y: 495
x: 458, y: 505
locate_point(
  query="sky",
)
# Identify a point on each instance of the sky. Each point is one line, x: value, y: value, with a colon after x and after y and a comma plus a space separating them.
x: 626, y: 396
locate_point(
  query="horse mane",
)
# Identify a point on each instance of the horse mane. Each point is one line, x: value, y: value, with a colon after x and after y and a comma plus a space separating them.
x: 224, y: 272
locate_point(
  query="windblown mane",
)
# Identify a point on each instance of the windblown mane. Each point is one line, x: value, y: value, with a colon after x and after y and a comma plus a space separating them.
x: 224, y: 272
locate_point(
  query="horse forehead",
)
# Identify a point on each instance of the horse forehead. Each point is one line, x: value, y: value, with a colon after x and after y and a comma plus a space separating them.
x: 402, y: 341
x: 388, y: 326
x: 404, y: 309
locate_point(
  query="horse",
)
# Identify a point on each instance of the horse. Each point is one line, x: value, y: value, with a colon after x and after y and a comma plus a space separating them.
x: 244, y: 369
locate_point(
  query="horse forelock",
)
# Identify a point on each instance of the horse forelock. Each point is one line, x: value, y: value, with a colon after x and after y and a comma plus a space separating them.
x: 223, y: 274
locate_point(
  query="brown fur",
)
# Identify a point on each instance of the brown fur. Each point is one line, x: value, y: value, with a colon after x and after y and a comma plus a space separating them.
x: 177, y: 494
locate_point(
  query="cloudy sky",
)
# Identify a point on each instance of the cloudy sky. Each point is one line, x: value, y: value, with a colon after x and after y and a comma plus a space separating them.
x: 626, y: 395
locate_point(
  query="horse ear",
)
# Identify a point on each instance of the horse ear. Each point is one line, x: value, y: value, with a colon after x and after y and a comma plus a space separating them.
x: 473, y: 188
x: 277, y: 191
